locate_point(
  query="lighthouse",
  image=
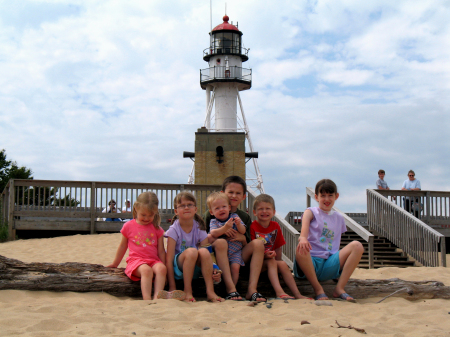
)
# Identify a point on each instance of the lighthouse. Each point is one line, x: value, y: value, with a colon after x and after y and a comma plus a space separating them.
x: 220, y: 142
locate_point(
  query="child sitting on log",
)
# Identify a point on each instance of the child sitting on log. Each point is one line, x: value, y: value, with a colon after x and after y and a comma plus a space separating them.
x: 318, y: 257
x: 144, y: 237
x: 270, y: 233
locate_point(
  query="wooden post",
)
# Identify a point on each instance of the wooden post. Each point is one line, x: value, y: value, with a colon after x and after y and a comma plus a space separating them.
x: 371, y: 253
x: 93, y: 208
x: 4, y: 205
x: 443, y: 255
x: 428, y: 214
x: 11, y: 229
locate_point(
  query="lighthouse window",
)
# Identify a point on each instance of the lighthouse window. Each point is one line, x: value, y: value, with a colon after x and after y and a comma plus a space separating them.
x: 227, y: 43
x: 218, y: 42
x: 236, y: 43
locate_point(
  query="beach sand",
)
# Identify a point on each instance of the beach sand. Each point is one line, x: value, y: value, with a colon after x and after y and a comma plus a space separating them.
x: 26, y: 313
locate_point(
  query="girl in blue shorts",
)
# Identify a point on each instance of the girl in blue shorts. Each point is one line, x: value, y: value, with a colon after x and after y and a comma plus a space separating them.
x: 185, y: 259
x: 318, y: 257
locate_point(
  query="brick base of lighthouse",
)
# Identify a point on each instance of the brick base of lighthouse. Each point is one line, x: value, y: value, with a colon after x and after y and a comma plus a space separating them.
x: 207, y: 168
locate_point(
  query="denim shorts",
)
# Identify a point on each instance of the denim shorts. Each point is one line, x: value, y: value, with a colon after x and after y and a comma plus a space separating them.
x: 326, y: 269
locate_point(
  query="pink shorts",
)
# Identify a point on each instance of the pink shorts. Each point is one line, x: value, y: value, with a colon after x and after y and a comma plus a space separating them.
x: 134, y: 263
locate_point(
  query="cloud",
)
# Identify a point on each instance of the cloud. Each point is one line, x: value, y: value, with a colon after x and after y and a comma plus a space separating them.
x: 109, y: 90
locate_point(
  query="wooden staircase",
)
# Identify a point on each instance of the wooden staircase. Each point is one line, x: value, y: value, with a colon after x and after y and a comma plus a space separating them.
x: 386, y: 254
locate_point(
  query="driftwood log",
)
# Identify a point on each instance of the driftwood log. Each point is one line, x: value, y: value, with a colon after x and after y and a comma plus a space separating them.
x: 85, y: 277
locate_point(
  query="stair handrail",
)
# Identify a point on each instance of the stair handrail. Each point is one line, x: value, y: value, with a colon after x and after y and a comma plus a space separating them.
x: 352, y: 224
x: 290, y: 234
x: 407, y: 232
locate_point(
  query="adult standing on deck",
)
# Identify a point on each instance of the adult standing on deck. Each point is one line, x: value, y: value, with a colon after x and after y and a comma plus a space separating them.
x: 412, y: 184
x: 127, y: 207
x: 111, y: 209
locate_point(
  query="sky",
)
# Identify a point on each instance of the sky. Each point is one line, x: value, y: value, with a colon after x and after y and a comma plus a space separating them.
x: 109, y: 90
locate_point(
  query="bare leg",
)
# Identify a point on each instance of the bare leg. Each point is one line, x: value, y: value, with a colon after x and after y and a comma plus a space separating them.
x: 305, y: 263
x: 272, y: 272
x: 235, y: 272
x: 205, y: 263
x: 160, y: 272
x: 221, y: 251
x: 253, y: 252
x: 349, y: 257
x: 186, y: 263
x: 288, y: 278
x: 145, y: 272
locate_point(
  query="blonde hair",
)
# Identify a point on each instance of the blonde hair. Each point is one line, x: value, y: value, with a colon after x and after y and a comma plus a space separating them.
x: 263, y: 198
x: 190, y: 197
x: 216, y: 196
x: 149, y: 201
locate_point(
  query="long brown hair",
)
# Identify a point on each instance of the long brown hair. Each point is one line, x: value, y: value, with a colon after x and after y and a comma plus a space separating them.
x: 149, y: 201
x: 186, y: 195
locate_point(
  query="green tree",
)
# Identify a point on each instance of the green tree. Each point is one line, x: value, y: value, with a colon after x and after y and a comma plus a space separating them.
x: 45, y: 196
x: 10, y: 170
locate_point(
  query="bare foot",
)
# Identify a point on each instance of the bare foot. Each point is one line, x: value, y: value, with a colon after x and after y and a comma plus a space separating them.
x: 216, y: 299
x: 301, y: 297
x: 285, y: 297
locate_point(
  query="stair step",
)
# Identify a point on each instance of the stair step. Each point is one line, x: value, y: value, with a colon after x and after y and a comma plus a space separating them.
x: 384, y: 262
x: 377, y: 248
x: 385, y: 252
x: 388, y: 257
x: 366, y: 266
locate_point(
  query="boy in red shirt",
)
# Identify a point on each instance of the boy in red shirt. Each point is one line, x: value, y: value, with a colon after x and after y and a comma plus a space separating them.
x: 270, y: 232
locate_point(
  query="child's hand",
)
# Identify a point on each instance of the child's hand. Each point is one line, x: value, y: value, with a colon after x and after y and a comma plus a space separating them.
x: 238, y: 237
x: 112, y: 265
x: 270, y: 254
x: 216, y: 276
x: 303, y: 246
x: 229, y: 224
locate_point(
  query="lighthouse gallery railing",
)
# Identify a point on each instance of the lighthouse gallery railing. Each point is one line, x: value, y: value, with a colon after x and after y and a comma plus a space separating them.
x: 225, y: 73
x: 234, y: 50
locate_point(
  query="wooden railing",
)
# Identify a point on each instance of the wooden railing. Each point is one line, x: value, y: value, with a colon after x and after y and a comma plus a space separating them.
x: 431, y: 207
x: 294, y: 217
x: 409, y: 233
x: 79, y: 205
x: 290, y: 234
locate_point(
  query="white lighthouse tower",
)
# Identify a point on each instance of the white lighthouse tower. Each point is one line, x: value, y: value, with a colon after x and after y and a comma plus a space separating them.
x: 220, y: 143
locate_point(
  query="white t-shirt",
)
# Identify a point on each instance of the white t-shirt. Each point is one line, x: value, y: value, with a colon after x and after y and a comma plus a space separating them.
x: 408, y: 184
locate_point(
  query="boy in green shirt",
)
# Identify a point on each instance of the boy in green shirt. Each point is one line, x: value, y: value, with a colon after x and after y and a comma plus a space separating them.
x: 252, y: 252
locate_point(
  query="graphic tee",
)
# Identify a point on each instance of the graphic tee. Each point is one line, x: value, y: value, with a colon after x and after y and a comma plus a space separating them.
x: 272, y: 235
x: 142, y: 240
x: 325, y: 232
x: 185, y: 240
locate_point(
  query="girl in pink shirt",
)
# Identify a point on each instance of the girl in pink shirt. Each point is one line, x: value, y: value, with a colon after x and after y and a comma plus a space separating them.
x: 144, y: 238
